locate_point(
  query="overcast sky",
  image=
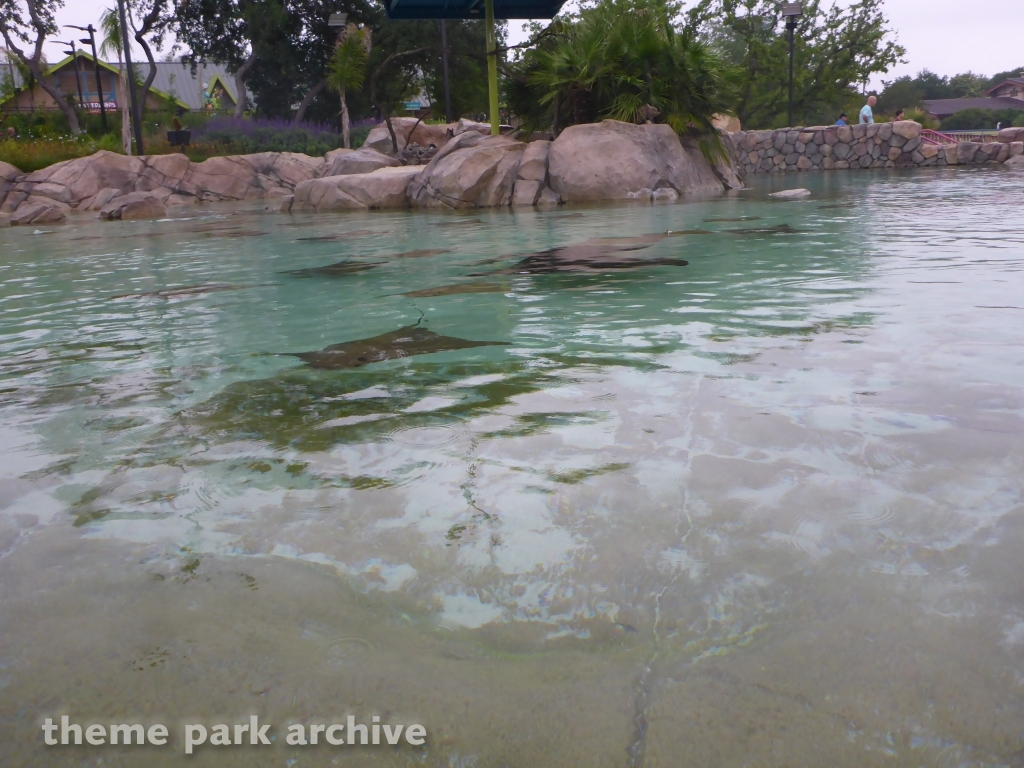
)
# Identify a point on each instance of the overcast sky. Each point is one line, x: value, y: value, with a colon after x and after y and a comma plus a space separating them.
x: 941, y: 35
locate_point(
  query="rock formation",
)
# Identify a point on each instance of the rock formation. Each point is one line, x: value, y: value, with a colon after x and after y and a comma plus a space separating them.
x: 383, y: 188
x: 342, y: 162
x: 881, y: 145
x: 613, y: 160
x: 472, y: 169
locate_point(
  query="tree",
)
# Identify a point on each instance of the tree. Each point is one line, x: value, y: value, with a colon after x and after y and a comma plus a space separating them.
x: 113, y: 43
x: 156, y: 19
x: 625, y: 60
x: 348, y: 69
x: 234, y: 33
x: 29, y: 22
x: 837, y: 49
x: 999, y: 77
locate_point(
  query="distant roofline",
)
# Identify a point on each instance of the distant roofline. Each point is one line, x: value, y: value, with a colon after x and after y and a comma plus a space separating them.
x: 1014, y: 80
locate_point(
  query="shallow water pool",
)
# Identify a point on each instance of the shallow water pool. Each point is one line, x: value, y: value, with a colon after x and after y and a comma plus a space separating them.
x: 764, y: 508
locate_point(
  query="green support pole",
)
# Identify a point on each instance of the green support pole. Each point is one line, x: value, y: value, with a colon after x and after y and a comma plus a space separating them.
x: 492, y: 69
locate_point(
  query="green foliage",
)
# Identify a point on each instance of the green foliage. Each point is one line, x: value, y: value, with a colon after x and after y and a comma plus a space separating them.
x: 32, y: 154
x: 981, y: 119
x: 1019, y: 121
x: 611, y: 61
x: 837, y: 49
x: 347, y: 70
x: 905, y: 92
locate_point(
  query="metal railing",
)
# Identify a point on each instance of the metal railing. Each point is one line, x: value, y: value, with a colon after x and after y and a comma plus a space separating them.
x: 955, y: 137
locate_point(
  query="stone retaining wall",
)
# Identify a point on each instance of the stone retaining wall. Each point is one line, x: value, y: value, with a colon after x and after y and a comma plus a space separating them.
x: 882, y: 145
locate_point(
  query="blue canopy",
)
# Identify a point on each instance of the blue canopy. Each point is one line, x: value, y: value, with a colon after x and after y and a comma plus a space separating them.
x: 471, y: 9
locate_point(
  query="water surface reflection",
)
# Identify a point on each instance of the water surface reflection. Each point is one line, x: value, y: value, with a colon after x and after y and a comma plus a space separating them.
x: 757, y: 502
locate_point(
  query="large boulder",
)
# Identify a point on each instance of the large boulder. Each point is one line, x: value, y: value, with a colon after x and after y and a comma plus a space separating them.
x: 250, y: 177
x: 134, y: 205
x: 407, y: 131
x: 38, y: 211
x: 1017, y: 161
x: 364, y: 160
x: 471, y: 171
x: 1005, y: 136
x: 613, y: 160
x: 908, y: 129
x: 532, y: 176
x: 383, y: 188
x: 484, y: 129
x: 9, y: 176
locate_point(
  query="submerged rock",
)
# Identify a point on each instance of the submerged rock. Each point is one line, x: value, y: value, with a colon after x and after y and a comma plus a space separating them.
x: 405, y: 342
x: 135, y: 205
x: 791, y: 194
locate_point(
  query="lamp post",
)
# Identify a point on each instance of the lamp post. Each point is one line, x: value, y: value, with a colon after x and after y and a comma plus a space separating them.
x: 791, y: 12
x: 96, y: 61
x: 73, y: 53
x: 444, y: 65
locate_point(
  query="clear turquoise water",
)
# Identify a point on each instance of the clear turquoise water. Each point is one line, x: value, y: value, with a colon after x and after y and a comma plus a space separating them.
x: 759, y: 509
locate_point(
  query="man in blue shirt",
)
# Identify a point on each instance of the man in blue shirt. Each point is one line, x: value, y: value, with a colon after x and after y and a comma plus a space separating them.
x: 867, y: 116
x: 843, y: 120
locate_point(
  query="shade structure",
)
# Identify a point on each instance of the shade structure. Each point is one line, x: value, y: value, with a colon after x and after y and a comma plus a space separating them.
x: 489, y: 10
x: 471, y: 9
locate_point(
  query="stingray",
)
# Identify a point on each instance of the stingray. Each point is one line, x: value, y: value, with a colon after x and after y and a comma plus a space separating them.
x: 449, y: 290
x: 778, y: 229
x: 337, y: 236
x: 837, y: 205
x: 737, y: 218
x: 678, y: 232
x: 576, y: 215
x: 187, y: 290
x: 456, y: 223
x: 405, y: 342
x: 596, y: 255
x: 422, y: 253
x: 346, y: 267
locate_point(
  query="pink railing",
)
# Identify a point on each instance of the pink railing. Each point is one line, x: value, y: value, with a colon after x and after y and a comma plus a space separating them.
x: 955, y: 137
x: 928, y: 136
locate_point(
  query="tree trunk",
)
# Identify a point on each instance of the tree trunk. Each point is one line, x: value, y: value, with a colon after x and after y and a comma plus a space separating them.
x: 126, y: 123
x: 57, y: 96
x: 143, y: 91
x: 307, y: 100
x: 240, y: 74
x: 151, y: 20
x: 344, y: 120
x: 391, y: 130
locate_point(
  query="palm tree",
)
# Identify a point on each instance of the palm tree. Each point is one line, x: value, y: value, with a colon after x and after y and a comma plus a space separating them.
x: 618, y: 59
x: 347, y: 69
x: 110, y: 25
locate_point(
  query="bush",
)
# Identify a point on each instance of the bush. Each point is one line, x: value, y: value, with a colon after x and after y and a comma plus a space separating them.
x: 248, y: 136
x: 1019, y: 122
x: 32, y: 154
x: 980, y: 119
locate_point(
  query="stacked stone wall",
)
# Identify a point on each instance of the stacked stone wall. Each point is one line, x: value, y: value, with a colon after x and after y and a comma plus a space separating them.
x: 853, y: 147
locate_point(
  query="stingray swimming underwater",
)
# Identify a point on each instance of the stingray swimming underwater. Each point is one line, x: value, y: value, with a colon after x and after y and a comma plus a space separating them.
x: 594, y: 255
x: 405, y: 342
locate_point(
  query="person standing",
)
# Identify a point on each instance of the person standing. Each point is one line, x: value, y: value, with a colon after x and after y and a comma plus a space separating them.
x: 899, y: 116
x: 843, y: 119
x: 867, y: 115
